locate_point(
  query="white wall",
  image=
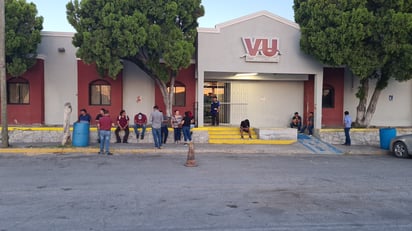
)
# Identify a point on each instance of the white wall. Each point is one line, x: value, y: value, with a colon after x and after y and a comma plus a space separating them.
x: 60, y: 75
x: 222, y: 49
x: 137, y: 83
x: 270, y: 104
x: 397, y: 112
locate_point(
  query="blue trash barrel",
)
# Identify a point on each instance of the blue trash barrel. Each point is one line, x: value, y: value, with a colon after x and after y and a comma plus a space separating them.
x: 385, y: 136
x: 81, y: 134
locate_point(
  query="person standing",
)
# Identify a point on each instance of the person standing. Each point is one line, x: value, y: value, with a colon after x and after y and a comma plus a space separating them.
x: 84, y: 117
x: 177, y: 126
x: 140, y: 121
x: 98, y: 116
x: 122, y: 125
x: 156, y: 118
x: 165, y: 127
x: 186, y: 122
x: 214, y: 111
x: 347, y: 120
x: 104, y: 125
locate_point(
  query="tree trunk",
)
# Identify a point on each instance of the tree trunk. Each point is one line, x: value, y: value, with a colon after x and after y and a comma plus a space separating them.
x: 363, y: 100
x: 3, y: 87
x: 169, y: 107
x: 167, y: 96
x: 372, y: 106
x: 364, y: 117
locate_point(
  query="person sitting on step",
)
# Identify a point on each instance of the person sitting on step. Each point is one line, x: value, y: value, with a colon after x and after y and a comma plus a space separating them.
x: 245, y: 127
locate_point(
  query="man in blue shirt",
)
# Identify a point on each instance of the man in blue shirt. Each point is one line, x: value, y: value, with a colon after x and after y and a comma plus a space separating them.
x: 84, y: 117
x: 347, y: 120
x: 214, y: 111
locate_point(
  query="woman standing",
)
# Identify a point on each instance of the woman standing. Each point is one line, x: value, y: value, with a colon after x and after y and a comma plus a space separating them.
x: 186, y: 122
x: 177, y: 126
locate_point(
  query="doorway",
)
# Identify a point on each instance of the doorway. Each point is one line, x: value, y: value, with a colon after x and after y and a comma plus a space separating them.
x: 222, y: 91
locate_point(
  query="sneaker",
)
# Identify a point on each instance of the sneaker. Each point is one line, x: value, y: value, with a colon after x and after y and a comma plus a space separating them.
x: 100, y: 153
x: 185, y: 144
x: 109, y: 154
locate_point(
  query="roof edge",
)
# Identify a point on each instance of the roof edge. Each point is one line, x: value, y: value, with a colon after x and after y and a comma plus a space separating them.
x: 266, y: 13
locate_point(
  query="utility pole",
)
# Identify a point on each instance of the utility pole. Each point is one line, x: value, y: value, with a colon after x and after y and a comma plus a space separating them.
x: 3, y: 88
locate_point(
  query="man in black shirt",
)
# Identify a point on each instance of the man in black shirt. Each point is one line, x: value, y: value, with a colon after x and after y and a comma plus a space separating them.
x: 245, y: 127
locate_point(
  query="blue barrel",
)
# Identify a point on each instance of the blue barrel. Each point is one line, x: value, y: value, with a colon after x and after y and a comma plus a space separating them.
x: 81, y: 134
x: 385, y: 136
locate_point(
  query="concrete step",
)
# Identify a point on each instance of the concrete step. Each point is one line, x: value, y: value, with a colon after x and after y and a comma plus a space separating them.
x: 231, y: 135
x: 249, y: 141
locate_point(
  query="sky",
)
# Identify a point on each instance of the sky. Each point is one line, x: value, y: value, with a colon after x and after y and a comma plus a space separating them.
x: 216, y: 11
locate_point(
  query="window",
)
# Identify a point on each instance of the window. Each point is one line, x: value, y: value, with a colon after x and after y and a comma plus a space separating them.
x: 179, y: 94
x: 328, y: 97
x: 18, y: 91
x: 100, y: 92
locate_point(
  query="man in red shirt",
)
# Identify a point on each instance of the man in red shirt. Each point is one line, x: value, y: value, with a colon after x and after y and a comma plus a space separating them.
x: 105, y: 125
x: 122, y: 124
x: 140, y: 121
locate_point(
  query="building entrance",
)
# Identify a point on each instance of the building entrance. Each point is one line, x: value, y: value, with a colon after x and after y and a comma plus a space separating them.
x: 222, y: 91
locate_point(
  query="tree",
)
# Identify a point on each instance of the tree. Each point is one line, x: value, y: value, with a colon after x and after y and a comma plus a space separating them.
x: 22, y: 36
x: 372, y: 38
x: 156, y: 35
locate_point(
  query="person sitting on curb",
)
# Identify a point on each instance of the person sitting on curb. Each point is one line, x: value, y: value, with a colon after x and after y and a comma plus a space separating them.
x: 140, y: 122
x: 296, y: 121
x: 122, y: 124
x: 245, y: 127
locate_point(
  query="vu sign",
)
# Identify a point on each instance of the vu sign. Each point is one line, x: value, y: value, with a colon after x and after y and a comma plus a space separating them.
x: 261, y: 49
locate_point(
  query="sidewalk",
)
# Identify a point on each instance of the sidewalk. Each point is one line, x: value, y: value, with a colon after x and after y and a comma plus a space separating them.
x: 129, y: 148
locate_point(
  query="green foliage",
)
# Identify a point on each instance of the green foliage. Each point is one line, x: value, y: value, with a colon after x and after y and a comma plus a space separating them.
x: 157, y: 35
x: 373, y: 38
x: 22, y: 35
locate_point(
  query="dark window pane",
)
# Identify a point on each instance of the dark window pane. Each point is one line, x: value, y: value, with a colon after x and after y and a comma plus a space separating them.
x: 18, y: 91
x: 328, y: 97
x: 180, y: 96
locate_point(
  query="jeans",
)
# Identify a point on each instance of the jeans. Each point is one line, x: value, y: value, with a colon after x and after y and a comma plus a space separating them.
x: 104, y: 140
x: 165, y: 133
x: 347, y: 136
x: 186, y: 133
x: 215, y: 119
x: 177, y: 134
x: 310, y: 129
x: 157, y: 137
x: 136, y: 130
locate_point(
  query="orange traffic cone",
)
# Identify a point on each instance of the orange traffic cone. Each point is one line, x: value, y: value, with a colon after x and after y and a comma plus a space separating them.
x: 191, y: 162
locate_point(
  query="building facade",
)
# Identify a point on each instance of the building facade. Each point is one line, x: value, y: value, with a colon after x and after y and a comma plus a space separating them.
x: 253, y: 64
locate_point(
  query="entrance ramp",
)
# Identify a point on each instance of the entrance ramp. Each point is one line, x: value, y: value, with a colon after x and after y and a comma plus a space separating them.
x: 317, y: 146
x: 231, y: 135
